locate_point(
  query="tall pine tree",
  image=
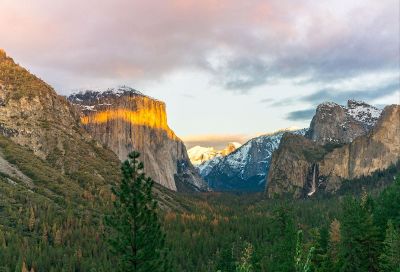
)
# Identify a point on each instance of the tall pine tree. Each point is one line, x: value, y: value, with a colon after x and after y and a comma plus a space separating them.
x: 359, y: 237
x: 390, y: 257
x: 136, y: 237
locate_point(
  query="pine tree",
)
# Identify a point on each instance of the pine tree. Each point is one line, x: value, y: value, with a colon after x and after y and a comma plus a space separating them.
x: 283, y: 241
x: 136, y: 237
x: 332, y: 263
x: 225, y: 261
x: 390, y: 257
x: 24, y: 268
x: 300, y: 264
x: 245, y: 264
x: 32, y: 219
x: 359, y: 237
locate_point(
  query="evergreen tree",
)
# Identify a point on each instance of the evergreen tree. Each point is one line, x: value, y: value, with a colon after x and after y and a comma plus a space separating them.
x: 245, y: 263
x: 225, y: 261
x: 359, y: 237
x: 300, y: 264
x: 388, y: 207
x: 136, y: 237
x: 283, y: 238
x: 390, y: 257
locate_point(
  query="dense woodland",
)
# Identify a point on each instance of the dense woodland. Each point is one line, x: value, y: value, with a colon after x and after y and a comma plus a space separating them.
x: 353, y: 231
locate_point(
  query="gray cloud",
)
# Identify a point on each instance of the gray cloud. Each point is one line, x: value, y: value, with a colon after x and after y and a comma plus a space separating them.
x: 341, y: 97
x: 261, y: 41
x: 301, y: 115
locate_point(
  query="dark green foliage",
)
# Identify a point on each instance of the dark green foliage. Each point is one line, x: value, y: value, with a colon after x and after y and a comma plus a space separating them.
x: 283, y: 242
x: 302, y: 263
x: 136, y: 238
x: 388, y: 207
x: 390, y: 257
x: 359, y: 236
x: 205, y: 232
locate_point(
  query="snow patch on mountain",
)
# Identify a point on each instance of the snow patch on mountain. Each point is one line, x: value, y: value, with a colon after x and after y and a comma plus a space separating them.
x: 199, y: 154
x: 363, y: 112
x: 246, y: 168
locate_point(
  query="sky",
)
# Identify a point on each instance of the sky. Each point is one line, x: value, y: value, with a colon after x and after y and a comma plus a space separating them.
x: 227, y: 69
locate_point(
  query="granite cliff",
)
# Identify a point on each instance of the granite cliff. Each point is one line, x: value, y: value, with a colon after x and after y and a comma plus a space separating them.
x: 124, y: 119
x: 333, y: 123
x: 32, y: 115
x: 324, y: 158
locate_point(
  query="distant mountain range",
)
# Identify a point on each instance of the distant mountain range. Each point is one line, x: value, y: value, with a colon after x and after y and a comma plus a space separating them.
x: 84, y: 138
x: 304, y: 154
x: 199, y: 155
x: 342, y: 143
x: 244, y: 169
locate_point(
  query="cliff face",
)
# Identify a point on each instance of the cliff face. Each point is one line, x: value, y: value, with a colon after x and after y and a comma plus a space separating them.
x: 366, y: 154
x: 333, y: 123
x: 293, y: 167
x: 124, y: 120
x: 300, y: 167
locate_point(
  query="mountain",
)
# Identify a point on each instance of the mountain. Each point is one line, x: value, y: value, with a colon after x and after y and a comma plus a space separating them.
x: 333, y: 123
x: 244, y: 169
x: 45, y: 154
x: 302, y: 166
x: 34, y: 116
x: 199, y: 155
x: 124, y: 119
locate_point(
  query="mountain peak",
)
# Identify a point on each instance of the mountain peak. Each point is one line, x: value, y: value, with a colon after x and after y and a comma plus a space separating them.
x: 95, y: 95
x: 342, y: 124
x: 2, y: 53
x: 351, y: 103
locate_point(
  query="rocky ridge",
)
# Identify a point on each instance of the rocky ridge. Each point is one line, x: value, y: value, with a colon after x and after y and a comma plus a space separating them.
x: 333, y: 123
x: 123, y: 119
x: 301, y: 166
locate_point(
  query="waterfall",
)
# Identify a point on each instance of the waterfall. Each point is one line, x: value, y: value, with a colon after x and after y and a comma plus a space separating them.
x: 313, y: 185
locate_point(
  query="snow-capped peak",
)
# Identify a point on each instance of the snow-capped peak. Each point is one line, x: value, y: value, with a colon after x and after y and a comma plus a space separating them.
x: 363, y: 112
x: 199, y: 154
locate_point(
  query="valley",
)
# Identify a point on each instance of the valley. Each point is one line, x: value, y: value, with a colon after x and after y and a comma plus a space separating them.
x: 60, y: 160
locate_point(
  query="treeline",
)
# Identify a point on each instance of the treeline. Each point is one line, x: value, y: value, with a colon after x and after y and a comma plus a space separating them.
x: 216, y: 232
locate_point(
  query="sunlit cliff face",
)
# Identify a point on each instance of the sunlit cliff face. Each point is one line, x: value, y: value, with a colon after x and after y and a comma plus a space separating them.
x: 148, y: 113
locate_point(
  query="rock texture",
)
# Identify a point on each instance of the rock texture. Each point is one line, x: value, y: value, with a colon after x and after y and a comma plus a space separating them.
x: 366, y: 154
x: 34, y: 116
x: 292, y: 166
x: 300, y: 167
x: 333, y: 123
x: 124, y: 119
x: 244, y: 169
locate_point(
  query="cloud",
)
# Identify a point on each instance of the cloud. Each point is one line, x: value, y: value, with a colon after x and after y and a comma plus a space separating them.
x: 301, y: 115
x: 341, y: 97
x: 337, y: 96
x: 240, y: 44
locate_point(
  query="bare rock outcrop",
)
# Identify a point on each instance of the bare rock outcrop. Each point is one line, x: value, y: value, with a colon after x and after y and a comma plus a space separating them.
x: 333, y: 123
x: 124, y: 119
x: 301, y: 166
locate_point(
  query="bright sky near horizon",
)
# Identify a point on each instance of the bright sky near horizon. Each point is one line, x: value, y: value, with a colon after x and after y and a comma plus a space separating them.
x: 227, y: 69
